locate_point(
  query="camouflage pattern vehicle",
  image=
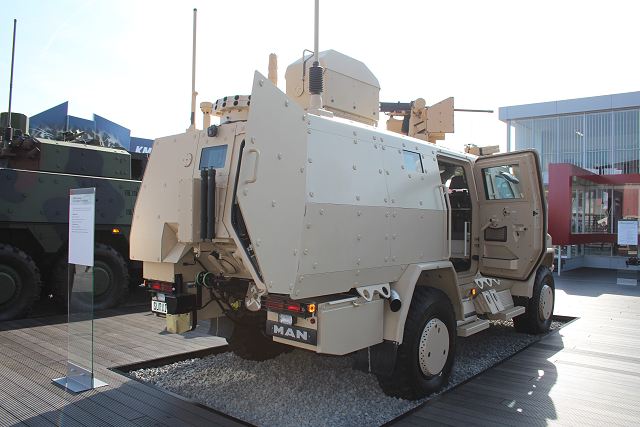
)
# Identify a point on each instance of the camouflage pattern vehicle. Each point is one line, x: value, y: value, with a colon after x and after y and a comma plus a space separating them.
x: 35, y: 177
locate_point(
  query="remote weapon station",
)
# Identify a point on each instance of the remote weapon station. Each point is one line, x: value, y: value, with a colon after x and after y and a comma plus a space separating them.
x: 296, y: 222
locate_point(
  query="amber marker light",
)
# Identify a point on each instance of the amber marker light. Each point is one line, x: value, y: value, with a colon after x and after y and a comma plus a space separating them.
x: 311, y: 308
x: 473, y: 292
x: 115, y: 230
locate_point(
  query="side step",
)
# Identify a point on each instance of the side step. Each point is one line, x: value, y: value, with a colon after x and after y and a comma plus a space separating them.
x: 507, y: 313
x: 469, y: 329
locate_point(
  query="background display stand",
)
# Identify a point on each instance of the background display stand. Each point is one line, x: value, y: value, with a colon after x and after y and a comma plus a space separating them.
x: 80, y: 293
x: 628, y: 235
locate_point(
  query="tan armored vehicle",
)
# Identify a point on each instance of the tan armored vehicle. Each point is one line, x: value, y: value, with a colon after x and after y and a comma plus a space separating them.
x: 296, y: 222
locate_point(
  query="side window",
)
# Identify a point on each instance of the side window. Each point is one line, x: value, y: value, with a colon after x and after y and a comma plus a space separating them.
x: 502, y: 182
x: 213, y: 157
x: 412, y: 161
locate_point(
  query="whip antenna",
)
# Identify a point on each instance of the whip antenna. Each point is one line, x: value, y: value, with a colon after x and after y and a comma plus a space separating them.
x: 194, y: 94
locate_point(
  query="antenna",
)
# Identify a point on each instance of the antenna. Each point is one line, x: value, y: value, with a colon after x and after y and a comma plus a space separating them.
x: 315, y: 71
x: 194, y: 94
x: 316, y: 34
x: 8, y: 132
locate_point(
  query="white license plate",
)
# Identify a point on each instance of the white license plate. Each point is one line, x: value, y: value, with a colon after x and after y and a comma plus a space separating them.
x: 159, y: 307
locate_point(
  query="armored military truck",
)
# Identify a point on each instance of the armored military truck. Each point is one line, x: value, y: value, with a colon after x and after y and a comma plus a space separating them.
x: 35, y: 177
x: 299, y: 223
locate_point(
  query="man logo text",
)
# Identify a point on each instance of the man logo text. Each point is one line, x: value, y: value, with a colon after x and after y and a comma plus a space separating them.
x: 291, y: 333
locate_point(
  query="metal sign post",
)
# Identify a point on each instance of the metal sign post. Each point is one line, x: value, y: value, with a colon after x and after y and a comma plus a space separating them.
x: 80, y: 293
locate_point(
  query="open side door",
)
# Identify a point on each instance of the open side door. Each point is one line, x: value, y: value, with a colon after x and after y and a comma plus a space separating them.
x: 512, y: 214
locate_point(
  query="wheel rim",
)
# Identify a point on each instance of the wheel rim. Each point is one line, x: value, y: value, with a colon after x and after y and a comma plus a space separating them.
x: 8, y: 284
x: 546, y: 302
x: 101, y: 280
x: 433, y: 348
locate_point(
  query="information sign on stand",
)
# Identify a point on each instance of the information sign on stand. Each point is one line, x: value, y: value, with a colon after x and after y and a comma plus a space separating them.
x: 627, y: 232
x: 628, y: 235
x: 80, y: 293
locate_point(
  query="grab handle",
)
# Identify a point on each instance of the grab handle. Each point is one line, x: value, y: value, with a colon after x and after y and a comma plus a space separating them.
x: 255, y: 166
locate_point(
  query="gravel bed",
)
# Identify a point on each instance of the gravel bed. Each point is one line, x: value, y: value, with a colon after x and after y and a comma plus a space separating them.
x: 301, y: 388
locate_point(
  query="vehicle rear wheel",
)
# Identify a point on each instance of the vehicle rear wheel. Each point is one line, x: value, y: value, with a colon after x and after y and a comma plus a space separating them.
x: 110, y: 280
x: 20, y: 283
x: 537, y: 319
x: 425, y: 357
x: 250, y: 341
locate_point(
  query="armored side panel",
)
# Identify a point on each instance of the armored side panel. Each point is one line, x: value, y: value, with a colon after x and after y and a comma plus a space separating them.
x: 34, y: 190
x: 272, y: 183
x: 39, y: 202
x: 79, y: 159
x: 331, y: 205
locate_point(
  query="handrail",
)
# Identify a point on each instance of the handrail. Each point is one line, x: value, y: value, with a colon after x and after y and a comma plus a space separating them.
x: 445, y: 197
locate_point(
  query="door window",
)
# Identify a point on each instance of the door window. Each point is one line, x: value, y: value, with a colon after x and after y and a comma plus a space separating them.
x: 502, y: 182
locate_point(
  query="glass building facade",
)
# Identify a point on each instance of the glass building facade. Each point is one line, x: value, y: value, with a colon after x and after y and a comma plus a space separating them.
x: 603, y: 142
x: 600, y: 135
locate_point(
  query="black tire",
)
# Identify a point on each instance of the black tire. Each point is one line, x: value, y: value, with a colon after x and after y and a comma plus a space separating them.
x: 535, y: 320
x: 429, y: 307
x: 111, y: 280
x: 20, y: 282
x: 250, y: 341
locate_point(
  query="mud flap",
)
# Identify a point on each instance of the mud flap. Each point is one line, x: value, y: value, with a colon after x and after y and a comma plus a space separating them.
x: 221, y: 326
x: 379, y: 359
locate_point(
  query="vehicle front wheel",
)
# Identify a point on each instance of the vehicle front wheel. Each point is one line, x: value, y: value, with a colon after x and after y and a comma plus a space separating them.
x: 19, y: 283
x: 425, y: 357
x: 537, y: 319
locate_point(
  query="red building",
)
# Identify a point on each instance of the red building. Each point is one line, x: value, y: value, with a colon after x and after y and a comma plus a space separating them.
x: 590, y: 152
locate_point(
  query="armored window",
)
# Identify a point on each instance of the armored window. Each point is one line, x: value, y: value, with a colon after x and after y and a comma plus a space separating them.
x: 213, y: 157
x: 412, y: 161
x: 502, y: 182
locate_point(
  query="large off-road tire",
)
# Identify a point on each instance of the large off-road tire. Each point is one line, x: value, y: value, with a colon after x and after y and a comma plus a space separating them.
x: 19, y: 283
x: 250, y: 341
x: 110, y: 280
x: 425, y: 357
x: 537, y: 318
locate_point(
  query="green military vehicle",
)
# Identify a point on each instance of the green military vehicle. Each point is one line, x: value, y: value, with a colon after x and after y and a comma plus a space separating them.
x: 36, y: 175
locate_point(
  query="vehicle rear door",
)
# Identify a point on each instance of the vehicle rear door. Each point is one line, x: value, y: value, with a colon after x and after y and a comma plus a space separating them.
x: 512, y: 214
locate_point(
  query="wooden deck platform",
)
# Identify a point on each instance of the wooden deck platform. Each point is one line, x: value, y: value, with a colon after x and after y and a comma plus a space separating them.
x: 587, y: 374
x: 34, y: 351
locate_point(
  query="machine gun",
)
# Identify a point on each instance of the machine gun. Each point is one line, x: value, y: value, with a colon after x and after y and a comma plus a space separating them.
x: 423, y: 122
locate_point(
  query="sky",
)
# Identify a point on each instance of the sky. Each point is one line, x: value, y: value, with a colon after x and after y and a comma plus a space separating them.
x: 130, y: 60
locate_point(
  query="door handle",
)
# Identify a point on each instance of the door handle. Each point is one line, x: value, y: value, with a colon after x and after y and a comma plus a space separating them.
x: 254, y: 178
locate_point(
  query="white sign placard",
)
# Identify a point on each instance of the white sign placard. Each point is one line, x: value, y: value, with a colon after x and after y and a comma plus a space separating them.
x: 627, y: 232
x: 82, y: 209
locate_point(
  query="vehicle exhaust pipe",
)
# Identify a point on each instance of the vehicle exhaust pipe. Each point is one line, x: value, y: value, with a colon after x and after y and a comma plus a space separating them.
x: 394, y: 301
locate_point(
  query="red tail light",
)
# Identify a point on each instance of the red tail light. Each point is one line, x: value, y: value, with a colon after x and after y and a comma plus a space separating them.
x: 294, y: 307
x: 164, y: 287
x: 275, y: 305
x: 282, y: 304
